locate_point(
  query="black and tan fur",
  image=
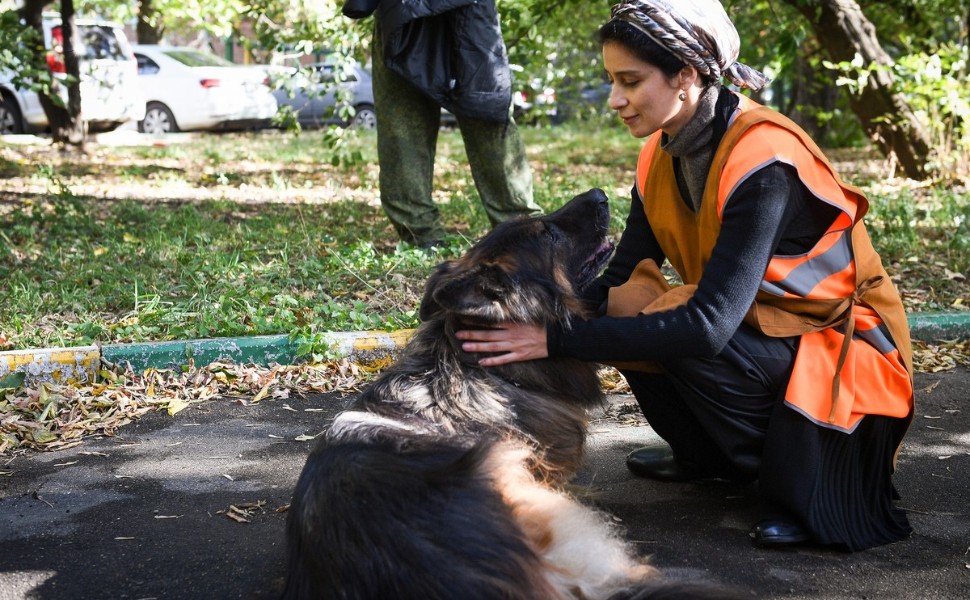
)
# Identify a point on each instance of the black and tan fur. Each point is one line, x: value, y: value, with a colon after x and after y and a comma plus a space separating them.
x: 444, y: 478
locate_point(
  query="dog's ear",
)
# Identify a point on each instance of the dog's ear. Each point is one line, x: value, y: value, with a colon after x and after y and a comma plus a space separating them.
x: 429, y: 306
x: 469, y: 292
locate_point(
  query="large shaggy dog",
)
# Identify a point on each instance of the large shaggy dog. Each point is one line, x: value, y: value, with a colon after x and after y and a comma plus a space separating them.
x: 443, y: 479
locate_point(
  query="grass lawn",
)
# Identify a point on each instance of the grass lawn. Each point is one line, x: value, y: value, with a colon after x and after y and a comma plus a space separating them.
x: 278, y: 233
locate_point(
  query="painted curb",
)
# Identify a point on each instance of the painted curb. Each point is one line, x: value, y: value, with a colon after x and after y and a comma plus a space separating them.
x: 55, y: 365
x: 80, y: 364
x: 261, y: 350
x: 939, y: 326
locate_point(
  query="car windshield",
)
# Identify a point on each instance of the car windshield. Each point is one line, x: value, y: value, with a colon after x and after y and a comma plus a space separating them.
x: 192, y: 58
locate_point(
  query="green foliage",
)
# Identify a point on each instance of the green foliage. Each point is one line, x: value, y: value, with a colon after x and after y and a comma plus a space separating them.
x: 772, y: 34
x: 903, y: 220
x: 129, y: 271
x: 911, y: 26
x: 552, y: 44
x: 186, y: 271
x: 18, y: 57
x: 78, y: 269
x: 925, y: 236
x: 935, y: 85
x: 296, y: 29
x: 219, y: 18
x: 115, y: 268
x: 853, y: 75
x: 11, y: 382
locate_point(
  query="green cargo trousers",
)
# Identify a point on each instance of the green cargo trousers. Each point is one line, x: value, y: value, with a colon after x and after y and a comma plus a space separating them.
x: 407, y: 134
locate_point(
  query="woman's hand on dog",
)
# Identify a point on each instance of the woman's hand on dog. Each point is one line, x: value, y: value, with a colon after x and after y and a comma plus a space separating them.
x: 510, y: 342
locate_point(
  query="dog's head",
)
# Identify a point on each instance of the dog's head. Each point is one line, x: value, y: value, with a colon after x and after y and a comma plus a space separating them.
x: 527, y: 270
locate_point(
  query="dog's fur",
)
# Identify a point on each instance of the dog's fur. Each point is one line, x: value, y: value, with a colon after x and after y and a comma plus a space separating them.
x: 443, y: 479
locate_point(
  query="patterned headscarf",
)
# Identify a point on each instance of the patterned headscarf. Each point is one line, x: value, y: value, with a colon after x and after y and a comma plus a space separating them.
x: 698, y: 32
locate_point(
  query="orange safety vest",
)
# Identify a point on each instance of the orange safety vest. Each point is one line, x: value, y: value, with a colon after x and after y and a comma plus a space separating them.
x: 854, y: 357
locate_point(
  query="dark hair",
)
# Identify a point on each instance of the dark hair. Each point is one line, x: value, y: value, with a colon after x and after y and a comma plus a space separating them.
x: 643, y: 46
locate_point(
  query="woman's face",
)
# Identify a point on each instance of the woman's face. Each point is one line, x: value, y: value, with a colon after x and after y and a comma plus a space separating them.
x: 645, y: 99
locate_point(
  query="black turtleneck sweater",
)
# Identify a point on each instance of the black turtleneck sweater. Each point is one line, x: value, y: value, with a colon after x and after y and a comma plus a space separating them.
x: 769, y: 213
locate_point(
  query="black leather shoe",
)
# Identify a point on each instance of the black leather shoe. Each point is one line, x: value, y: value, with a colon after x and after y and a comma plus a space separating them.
x: 658, y: 462
x: 776, y: 533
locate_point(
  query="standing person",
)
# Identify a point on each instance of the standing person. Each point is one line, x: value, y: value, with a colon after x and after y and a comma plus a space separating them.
x: 434, y: 54
x: 785, y: 357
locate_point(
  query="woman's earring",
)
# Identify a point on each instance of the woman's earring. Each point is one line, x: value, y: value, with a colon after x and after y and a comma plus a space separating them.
x: 682, y: 95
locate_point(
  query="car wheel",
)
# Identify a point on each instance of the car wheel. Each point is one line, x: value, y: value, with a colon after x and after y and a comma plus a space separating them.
x: 10, y: 120
x: 158, y: 120
x: 365, y: 117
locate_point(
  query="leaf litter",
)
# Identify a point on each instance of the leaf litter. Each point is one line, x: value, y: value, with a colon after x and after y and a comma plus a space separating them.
x: 57, y: 417
x: 243, y: 513
x: 942, y: 356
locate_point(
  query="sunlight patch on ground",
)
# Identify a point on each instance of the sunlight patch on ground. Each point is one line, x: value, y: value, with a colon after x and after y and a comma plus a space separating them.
x: 19, y: 584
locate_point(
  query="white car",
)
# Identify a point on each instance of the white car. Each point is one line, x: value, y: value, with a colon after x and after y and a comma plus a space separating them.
x: 187, y: 89
x: 110, y: 95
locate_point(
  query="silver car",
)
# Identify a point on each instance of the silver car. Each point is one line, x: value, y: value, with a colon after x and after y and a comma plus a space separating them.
x: 312, y: 94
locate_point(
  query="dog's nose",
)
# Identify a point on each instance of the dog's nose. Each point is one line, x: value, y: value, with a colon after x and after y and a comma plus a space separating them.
x: 598, y: 195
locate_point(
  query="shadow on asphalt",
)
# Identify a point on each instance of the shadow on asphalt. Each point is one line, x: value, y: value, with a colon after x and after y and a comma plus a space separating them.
x: 146, y: 514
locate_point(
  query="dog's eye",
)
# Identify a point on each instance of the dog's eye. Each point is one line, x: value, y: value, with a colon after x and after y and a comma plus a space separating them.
x: 551, y: 232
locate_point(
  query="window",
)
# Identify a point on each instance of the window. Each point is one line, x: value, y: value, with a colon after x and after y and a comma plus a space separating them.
x: 146, y: 66
x: 98, y: 43
x: 192, y: 58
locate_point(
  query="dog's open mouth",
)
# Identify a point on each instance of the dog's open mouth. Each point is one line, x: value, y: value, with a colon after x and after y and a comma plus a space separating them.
x: 592, y: 265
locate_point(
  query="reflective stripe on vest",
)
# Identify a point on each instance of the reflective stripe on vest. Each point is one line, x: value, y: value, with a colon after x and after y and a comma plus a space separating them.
x: 867, y: 373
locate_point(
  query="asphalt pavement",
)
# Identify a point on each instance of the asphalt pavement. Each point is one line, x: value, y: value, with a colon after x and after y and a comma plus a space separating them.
x: 190, y: 506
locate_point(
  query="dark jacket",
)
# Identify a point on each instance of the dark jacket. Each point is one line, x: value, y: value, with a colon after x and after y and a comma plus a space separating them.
x: 452, y: 50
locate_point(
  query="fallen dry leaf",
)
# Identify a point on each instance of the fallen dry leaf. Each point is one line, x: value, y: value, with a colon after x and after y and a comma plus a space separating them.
x: 612, y: 381
x: 55, y: 417
x: 943, y: 356
x: 241, y: 512
x: 262, y: 394
x: 236, y: 517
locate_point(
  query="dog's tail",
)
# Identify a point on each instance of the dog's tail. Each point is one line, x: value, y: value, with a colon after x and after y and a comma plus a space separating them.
x: 369, y: 521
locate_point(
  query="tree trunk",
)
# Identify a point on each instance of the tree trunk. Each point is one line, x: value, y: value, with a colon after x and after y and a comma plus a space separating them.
x: 844, y: 31
x: 72, y: 129
x: 65, y: 128
x: 147, y: 31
